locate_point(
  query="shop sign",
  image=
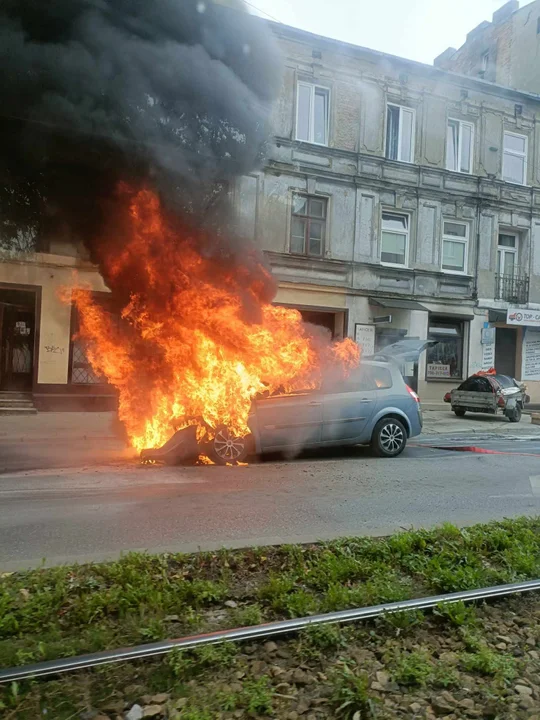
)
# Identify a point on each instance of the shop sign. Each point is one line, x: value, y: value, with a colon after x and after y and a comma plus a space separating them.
x: 436, y: 370
x: 523, y: 317
x: 488, y: 336
x: 364, y: 335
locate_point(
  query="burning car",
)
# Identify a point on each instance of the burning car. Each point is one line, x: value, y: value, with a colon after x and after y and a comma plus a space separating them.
x: 489, y: 392
x: 372, y: 406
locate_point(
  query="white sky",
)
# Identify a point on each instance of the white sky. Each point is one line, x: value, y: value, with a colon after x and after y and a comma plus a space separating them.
x: 415, y: 29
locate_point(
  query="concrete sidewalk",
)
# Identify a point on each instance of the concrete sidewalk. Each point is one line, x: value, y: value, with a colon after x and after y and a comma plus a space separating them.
x: 62, y: 428
x: 58, y: 440
x: 79, y: 440
x: 444, y: 422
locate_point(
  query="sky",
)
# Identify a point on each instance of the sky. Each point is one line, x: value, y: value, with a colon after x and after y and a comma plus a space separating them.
x: 414, y: 29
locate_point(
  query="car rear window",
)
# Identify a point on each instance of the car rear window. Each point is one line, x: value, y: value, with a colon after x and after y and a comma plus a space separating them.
x: 381, y: 377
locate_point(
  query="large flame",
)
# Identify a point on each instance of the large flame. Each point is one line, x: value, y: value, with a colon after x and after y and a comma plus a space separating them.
x: 199, y: 336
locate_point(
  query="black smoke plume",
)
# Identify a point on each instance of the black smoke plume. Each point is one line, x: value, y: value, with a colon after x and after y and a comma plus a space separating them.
x: 168, y: 94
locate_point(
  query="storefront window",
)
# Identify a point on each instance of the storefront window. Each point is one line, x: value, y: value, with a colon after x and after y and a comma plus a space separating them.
x: 445, y: 359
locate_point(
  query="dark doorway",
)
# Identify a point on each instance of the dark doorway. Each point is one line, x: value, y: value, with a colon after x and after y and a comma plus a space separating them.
x: 505, y: 351
x: 17, y: 332
x: 323, y: 319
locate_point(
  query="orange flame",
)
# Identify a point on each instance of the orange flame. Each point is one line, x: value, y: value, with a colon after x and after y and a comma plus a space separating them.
x: 186, y: 345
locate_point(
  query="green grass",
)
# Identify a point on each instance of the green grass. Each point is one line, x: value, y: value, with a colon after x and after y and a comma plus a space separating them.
x: 411, y: 668
x: 49, y: 613
x: 487, y: 662
x: 186, y: 664
x: 350, y: 697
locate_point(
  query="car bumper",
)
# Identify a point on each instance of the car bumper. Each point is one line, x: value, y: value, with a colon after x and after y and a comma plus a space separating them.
x: 416, y: 421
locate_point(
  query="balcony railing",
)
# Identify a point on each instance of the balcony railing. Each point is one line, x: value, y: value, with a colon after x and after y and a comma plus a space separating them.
x: 514, y: 287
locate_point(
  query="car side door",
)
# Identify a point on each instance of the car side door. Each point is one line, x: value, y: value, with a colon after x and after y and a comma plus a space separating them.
x: 348, y: 407
x: 289, y: 420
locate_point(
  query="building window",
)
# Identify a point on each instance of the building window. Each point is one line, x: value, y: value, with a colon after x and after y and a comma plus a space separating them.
x: 312, y: 113
x: 515, y: 158
x: 484, y: 61
x: 511, y: 281
x: 459, y: 146
x: 395, y: 239
x: 81, y: 370
x: 308, y: 226
x: 445, y: 359
x: 455, y: 246
x: 399, y: 133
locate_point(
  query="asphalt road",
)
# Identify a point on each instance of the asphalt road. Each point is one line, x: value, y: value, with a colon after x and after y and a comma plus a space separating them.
x: 65, y: 515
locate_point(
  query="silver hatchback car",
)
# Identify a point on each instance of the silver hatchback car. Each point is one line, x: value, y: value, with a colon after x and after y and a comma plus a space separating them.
x: 373, y: 406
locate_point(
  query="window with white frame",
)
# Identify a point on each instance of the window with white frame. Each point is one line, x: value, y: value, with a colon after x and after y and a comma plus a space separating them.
x: 308, y: 225
x: 507, y: 252
x: 399, y: 133
x: 455, y: 245
x: 459, y: 146
x: 515, y: 158
x: 395, y: 239
x: 312, y: 113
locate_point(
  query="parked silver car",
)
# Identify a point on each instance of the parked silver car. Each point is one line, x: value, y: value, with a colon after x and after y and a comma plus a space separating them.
x: 373, y: 406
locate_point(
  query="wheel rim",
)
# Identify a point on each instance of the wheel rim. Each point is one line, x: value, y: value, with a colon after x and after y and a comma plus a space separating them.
x: 391, y: 437
x: 227, y: 446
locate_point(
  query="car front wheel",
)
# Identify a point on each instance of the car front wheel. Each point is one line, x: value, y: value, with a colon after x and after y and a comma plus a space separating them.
x: 389, y: 438
x: 227, y: 448
x: 459, y: 413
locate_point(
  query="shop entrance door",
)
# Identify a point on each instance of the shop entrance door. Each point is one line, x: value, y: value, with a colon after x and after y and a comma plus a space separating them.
x: 17, y: 330
x: 505, y: 351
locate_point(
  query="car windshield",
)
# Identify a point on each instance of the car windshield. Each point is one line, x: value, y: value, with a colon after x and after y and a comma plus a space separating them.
x: 269, y: 352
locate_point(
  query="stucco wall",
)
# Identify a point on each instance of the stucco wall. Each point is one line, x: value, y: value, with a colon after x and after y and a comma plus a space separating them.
x: 51, y: 273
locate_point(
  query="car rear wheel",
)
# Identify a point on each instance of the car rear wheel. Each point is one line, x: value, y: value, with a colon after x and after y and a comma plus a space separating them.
x: 514, y: 415
x: 225, y: 447
x: 389, y: 438
x: 459, y: 413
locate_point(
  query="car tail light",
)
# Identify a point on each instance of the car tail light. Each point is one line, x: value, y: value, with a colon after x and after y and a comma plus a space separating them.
x: 414, y: 395
x: 448, y: 397
x: 500, y: 401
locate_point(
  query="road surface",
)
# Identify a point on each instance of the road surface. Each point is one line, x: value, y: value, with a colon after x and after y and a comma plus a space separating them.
x: 70, y: 514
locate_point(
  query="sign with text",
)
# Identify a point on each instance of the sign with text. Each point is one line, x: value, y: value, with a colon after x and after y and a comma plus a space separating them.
x: 364, y: 335
x: 488, y: 356
x: 531, y: 355
x: 435, y: 370
x: 523, y: 317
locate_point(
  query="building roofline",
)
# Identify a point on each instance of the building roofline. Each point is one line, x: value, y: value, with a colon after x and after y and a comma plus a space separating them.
x: 351, y: 49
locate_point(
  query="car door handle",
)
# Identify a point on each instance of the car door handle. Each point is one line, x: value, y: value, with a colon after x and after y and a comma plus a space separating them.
x: 315, y: 404
x: 366, y: 400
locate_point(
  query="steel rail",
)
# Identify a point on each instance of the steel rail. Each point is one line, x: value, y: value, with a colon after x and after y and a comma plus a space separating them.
x: 281, y: 627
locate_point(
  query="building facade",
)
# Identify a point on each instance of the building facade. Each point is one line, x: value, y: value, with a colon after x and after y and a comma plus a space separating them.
x: 398, y: 200
x: 401, y: 200
x: 504, y: 51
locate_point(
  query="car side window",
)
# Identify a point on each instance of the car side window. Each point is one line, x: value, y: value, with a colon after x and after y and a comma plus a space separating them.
x: 382, y: 377
x: 358, y: 381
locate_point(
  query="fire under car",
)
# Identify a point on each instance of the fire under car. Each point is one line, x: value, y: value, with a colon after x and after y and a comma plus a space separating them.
x: 372, y: 406
x: 489, y: 392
